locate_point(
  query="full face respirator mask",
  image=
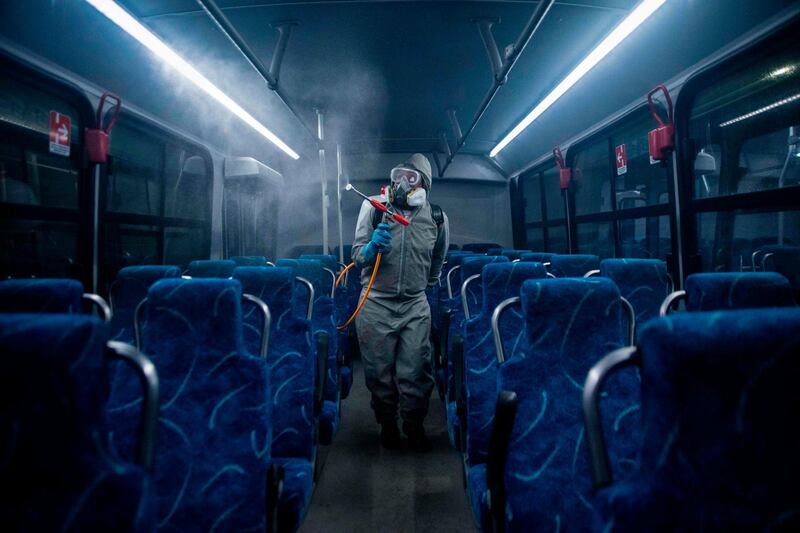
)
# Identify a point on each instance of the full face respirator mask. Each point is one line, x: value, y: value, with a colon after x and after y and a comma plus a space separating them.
x: 406, y: 188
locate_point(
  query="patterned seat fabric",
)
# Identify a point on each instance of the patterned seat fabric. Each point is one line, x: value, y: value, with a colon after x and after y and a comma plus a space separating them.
x: 536, y: 257
x: 217, y: 268
x: 499, y: 282
x: 470, y: 266
x: 573, y: 266
x: 214, y: 435
x: 719, y: 406
x: 479, y: 247
x: 249, y: 260
x: 569, y: 325
x: 643, y: 282
x: 128, y: 290
x: 57, y: 471
x: 717, y: 291
x: 40, y: 296
x: 323, y: 320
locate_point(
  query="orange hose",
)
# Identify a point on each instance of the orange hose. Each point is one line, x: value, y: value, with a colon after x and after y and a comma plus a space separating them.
x: 342, y: 273
x: 366, y: 293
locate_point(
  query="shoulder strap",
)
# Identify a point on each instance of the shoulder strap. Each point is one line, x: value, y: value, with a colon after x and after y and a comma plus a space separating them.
x: 437, y: 214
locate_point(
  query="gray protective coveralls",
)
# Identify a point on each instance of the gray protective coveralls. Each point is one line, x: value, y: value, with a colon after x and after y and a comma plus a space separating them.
x: 394, y: 324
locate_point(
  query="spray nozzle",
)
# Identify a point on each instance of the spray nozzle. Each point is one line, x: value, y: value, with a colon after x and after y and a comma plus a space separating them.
x: 379, y: 206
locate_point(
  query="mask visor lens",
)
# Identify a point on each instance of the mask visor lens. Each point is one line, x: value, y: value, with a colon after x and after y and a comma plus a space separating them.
x: 410, y: 175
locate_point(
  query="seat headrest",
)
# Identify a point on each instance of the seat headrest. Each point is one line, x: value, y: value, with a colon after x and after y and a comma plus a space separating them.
x: 249, y: 260
x: 714, y: 291
x: 147, y: 275
x: 217, y: 268
x: 328, y: 261
x: 40, y: 296
x: 536, y: 257
x: 474, y: 265
x: 273, y: 285
x: 573, y: 266
x: 504, y: 280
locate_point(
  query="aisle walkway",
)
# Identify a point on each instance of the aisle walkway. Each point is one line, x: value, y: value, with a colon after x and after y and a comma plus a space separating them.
x: 364, y: 488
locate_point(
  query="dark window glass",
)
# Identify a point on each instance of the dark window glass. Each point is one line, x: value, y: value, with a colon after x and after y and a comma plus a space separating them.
x: 727, y: 240
x: 552, y: 194
x: 532, y: 193
x: 645, y: 237
x: 745, y: 128
x: 596, y: 238
x: 187, y: 184
x: 535, y: 239
x: 34, y: 248
x: 591, y: 177
x: 135, y: 184
x: 182, y: 245
x: 557, y: 239
x: 29, y: 173
x: 641, y: 183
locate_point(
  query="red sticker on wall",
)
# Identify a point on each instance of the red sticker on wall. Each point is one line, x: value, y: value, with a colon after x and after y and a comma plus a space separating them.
x: 622, y: 160
x: 60, y: 131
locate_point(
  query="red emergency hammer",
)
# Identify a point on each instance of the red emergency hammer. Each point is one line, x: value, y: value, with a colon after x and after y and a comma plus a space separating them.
x: 379, y: 206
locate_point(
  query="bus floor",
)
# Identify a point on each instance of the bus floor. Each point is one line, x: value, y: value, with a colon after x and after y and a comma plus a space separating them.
x: 365, y: 488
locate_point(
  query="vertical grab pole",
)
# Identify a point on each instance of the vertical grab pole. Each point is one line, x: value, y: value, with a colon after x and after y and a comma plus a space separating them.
x: 339, y: 200
x: 564, y: 178
x: 323, y: 179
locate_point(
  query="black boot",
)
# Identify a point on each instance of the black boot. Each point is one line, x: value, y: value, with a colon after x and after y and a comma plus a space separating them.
x: 417, y: 440
x: 390, y: 435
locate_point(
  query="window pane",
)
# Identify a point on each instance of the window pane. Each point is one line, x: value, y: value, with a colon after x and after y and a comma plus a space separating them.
x: 182, y: 245
x: 745, y: 128
x: 642, y: 183
x: 645, y: 237
x: 727, y: 240
x: 591, y: 179
x: 596, y: 238
x: 37, y: 248
x: 134, y: 186
x: 532, y: 193
x: 552, y: 194
x: 188, y: 187
x: 557, y: 239
x: 129, y: 245
x: 535, y: 239
x: 29, y: 173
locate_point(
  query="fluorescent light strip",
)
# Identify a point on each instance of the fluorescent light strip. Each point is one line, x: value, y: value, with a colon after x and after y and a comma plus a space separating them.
x: 135, y: 29
x: 751, y: 114
x: 641, y: 13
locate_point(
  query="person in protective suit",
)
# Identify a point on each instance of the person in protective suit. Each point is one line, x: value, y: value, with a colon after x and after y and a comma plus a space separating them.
x: 394, y: 324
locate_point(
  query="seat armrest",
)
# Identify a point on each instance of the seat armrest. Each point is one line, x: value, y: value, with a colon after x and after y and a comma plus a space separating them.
x: 275, y: 475
x: 322, y: 369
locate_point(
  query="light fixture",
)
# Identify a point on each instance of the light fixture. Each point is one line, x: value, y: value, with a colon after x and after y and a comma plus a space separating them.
x: 760, y: 110
x: 639, y: 14
x: 135, y: 29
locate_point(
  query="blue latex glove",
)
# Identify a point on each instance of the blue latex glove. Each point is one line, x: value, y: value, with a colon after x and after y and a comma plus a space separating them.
x: 381, y: 241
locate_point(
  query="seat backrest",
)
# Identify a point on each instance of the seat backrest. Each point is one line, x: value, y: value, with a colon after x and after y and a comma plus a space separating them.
x: 716, y: 291
x: 40, y: 296
x: 215, y: 406
x: 536, y: 257
x: 290, y: 356
x: 495, y: 251
x: 573, y: 266
x: 643, y: 282
x: 499, y: 281
x: 512, y: 254
x: 472, y: 266
x: 570, y: 324
x: 479, y: 247
x: 213, y: 268
x: 719, y: 406
x: 53, y: 386
x: 328, y: 261
x: 128, y: 290
x: 249, y: 260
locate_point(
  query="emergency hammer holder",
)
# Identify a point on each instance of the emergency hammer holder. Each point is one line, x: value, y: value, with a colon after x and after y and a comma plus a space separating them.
x: 661, y: 139
x: 97, y: 139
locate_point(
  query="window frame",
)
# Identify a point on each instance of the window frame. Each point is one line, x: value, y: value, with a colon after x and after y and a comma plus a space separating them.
x: 546, y: 223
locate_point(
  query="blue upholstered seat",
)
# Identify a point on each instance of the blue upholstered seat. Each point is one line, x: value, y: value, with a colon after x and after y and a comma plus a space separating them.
x: 719, y: 408
x: 291, y: 357
x: 56, y: 469
x: 214, y: 437
x: 249, y: 260
x: 512, y: 254
x: 499, y: 282
x: 643, y: 282
x: 716, y: 291
x: 479, y: 247
x: 495, y: 251
x: 128, y: 290
x: 40, y: 296
x: 470, y: 266
x: 536, y: 257
x: 323, y: 320
x: 573, y: 266
x: 569, y: 325
x: 215, y: 268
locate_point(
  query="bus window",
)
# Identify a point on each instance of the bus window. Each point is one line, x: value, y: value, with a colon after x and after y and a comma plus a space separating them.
x: 37, y: 176
x: 591, y: 177
x: 596, y: 238
x: 641, y: 183
x: 134, y: 185
x: 645, y: 238
x: 554, y: 198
